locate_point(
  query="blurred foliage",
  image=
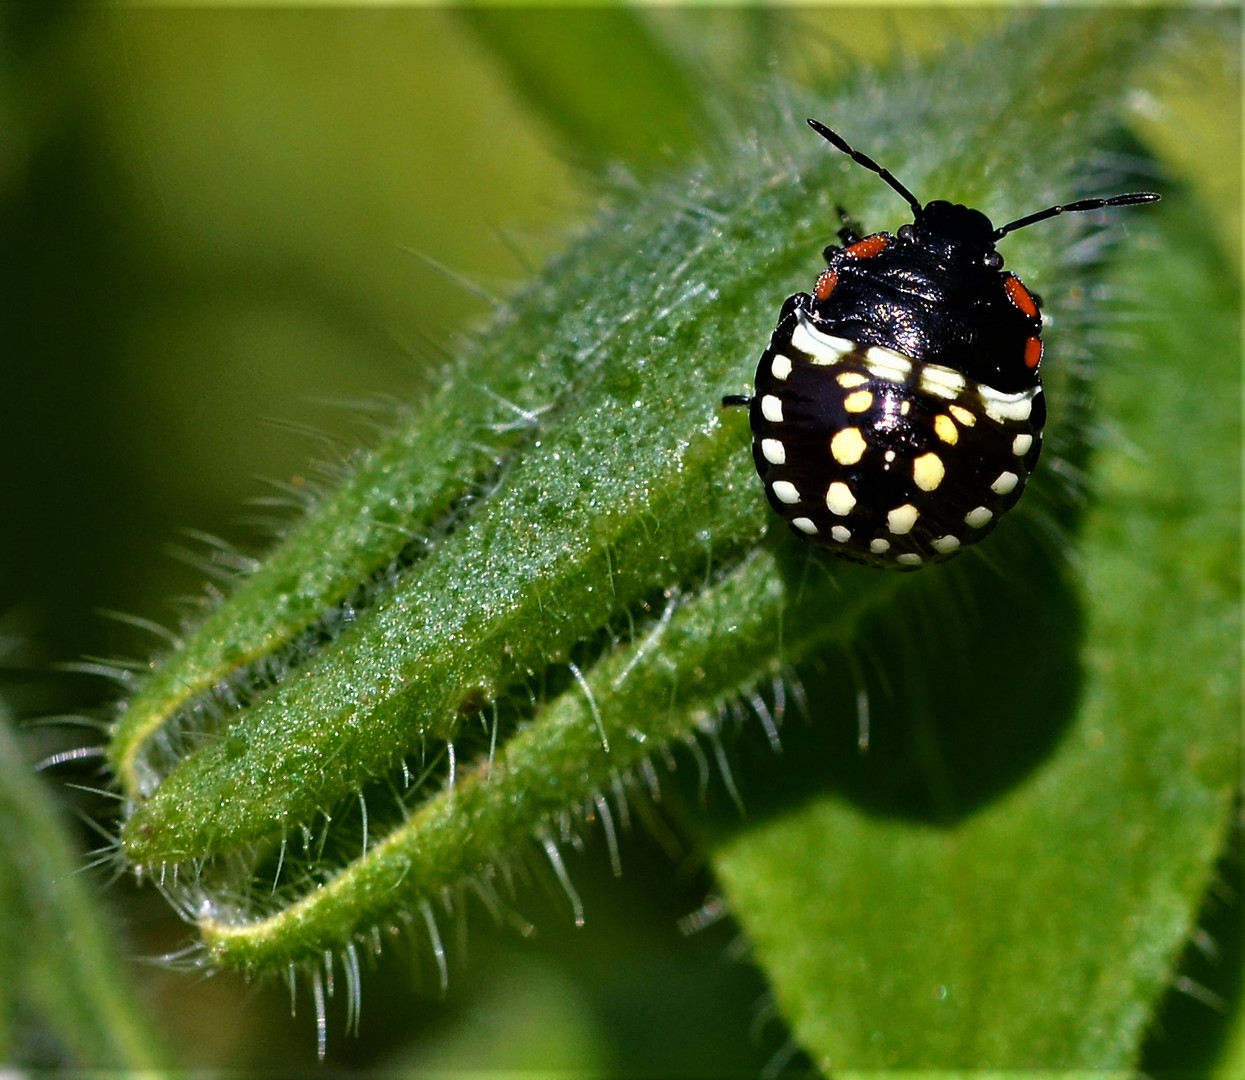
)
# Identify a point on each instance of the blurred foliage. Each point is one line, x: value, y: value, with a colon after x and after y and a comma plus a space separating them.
x: 64, y: 984
x: 207, y: 215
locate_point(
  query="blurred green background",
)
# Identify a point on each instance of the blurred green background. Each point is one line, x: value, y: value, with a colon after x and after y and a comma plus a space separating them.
x: 221, y: 226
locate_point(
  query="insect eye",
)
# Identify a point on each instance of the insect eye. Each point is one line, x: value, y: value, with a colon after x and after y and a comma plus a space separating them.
x: 905, y: 233
x: 993, y: 260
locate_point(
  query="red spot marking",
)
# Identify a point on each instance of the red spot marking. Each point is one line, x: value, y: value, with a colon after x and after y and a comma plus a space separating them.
x: 825, y: 284
x: 868, y: 247
x: 1033, y: 352
x: 1019, y: 295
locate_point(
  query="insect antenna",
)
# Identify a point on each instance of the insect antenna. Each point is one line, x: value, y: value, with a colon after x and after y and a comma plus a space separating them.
x: 839, y: 143
x: 1075, y: 208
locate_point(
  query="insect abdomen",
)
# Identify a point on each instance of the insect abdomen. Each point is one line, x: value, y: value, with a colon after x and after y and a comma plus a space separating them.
x: 883, y: 458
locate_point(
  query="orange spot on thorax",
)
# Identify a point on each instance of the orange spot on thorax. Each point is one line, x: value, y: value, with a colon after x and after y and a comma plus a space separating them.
x: 825, y: 284
x: 868, y: 247
x: 1019, y: 295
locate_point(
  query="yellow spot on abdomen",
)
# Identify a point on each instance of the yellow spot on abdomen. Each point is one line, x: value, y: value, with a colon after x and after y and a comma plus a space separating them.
x: 901, y: 519
x: 848, y: 446
x: 928, y: 471
x: 839, y: 499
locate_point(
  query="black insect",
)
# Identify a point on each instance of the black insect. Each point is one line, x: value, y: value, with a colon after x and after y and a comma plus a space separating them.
x: 898, y: 410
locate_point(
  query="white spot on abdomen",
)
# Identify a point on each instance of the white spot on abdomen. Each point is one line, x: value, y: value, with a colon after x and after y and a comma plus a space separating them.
x: 1006, y: 482
x: 887, y: 364
x: 1001, y: 407
x: 785, y: 491
x: 822, y: 349
x: 773, y: 451
x: 942, y: 381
